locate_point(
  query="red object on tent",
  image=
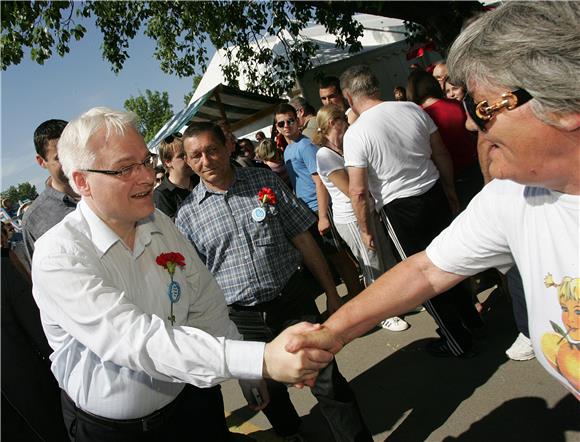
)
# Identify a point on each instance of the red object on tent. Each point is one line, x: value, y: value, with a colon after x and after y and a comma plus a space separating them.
x: 419, y: 51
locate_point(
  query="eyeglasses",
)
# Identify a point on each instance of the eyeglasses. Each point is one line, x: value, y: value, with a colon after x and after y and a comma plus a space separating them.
x: 169, y: 139
x: 128, y: 171
x: 483, y: 112
x: 289, y: 121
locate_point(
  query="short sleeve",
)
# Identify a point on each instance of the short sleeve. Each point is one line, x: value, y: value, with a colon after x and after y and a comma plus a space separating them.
x: 309, y: 157
x: 297, y: 217
x: 476, y: 239
x: 327, y: 162
x: 354, y: 148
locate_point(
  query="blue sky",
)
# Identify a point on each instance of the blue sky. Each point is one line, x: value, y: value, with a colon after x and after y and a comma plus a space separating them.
x: 66, y: 87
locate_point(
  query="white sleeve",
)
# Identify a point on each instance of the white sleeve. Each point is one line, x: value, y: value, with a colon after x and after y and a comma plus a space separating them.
x: 354, y: 148
x: 476, y: 240
x: 327, y: 162
x: 118, y: 331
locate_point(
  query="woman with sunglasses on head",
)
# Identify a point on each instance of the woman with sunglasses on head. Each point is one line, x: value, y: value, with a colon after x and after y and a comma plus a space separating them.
x: 332, y: 124
x: 179, y: 179
x: 449, y: 116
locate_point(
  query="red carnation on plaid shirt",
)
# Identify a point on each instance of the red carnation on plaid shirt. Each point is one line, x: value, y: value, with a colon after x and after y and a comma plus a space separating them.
x: 267, y: 196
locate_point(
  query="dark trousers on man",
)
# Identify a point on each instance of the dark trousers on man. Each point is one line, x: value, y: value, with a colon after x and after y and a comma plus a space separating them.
x: 197, y: 414
x: 412, y: 223
x: 335, y: 397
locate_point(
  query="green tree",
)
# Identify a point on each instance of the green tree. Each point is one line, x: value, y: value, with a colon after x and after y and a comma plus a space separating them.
x: 152, y: 109
x: 183, y: 31
x: 20, y: 192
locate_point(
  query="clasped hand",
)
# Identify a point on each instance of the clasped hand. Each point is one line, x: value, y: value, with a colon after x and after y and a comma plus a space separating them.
x: 299, y: 353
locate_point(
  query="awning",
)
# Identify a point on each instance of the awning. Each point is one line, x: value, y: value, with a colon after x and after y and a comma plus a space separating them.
x: 237, y: 107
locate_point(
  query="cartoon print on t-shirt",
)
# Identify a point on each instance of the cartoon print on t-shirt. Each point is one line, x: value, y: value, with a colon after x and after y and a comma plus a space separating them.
x: 562, y: 349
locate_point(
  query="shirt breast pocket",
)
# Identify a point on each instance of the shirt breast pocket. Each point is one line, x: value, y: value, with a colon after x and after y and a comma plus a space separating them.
x: 262, y: 233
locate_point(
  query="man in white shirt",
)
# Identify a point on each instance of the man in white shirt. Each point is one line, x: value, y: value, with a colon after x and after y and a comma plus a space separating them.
x: 140, y: 339
x: 530, y: 214
x: 395, y: 152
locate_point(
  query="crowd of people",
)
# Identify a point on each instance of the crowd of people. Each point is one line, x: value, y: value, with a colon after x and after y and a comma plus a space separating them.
x: 156, y: 277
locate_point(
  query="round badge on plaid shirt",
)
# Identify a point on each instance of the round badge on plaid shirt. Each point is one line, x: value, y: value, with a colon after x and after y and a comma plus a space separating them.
x: 259, y: 214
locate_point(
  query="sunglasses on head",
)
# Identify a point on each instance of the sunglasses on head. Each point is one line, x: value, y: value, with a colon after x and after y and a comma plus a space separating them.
x: 283, y: 123
x: 169, y: 139
x: 482, y: 112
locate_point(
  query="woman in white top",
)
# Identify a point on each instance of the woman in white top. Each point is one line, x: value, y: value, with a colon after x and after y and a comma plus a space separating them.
x: 332, y: 125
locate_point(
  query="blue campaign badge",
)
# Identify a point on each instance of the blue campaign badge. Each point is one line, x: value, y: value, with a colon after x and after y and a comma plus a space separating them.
x: 174, y: 292
x: 259, y: 214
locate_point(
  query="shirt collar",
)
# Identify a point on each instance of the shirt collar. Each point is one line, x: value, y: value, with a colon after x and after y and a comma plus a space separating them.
x: 104, y: 238
x: 202, y: 192
x: 61, y: 196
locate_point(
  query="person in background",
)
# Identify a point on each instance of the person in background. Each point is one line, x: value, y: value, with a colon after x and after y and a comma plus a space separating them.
x: 31, y: 408
x: 400, y: 93
x: 440, y: 73
x: 454, y: 92
x: 306, y: 116
x: 179, y: 178
x: 272, y: 157
x: 450, y: 117
x: 395, y: 151
x: 260, y: 136
x: 257, y: 251
x: 330, y: 164
x: 330, y: 93
x: 58, y: 199
x: 300, y: 162
x: 159, y: 175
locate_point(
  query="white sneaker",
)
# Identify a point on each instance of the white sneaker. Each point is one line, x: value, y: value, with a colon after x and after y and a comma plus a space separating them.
x: 521, y: 349
x: 394, y: 324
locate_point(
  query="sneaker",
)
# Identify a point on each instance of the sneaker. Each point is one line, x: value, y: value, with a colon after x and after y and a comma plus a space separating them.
x: 395, y: 324
x: 521, y: 349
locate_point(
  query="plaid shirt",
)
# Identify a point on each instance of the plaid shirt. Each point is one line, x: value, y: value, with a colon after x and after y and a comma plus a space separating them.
x: 252, y: 261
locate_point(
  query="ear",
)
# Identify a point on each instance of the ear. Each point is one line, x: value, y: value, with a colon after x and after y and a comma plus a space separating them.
x: 41, y: 161
x: 346, y: 93
x: 568, y: 122
x: 81, y: 183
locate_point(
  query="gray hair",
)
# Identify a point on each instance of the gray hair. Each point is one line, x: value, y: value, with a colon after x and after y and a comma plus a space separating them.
x: 74, y: 149
x: 529, y: 45
x: 360, y: 81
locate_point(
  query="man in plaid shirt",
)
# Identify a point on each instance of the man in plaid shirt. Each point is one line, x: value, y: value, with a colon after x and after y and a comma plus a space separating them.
x: 252, y: 234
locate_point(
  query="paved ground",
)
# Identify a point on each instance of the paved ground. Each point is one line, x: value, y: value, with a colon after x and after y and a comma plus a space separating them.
x: 407, y: 395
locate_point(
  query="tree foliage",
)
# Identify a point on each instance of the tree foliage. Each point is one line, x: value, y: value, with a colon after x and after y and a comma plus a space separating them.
x: 183, y: 31
x: 153, y: 109
x: 20, y: 192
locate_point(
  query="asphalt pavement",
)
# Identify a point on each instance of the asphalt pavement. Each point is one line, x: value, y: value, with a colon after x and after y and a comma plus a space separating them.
x: 407, y: 395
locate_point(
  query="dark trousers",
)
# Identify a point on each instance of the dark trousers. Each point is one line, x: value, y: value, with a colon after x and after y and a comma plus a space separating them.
x: 335, y: 397
x: 412, y: 223
x: 516, y: 289
x: 197, y: 414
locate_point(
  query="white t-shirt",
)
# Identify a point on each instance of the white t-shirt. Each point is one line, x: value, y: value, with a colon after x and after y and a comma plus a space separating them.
x: 328, y: 161
x: 538, y: 229
x: 392, y: 141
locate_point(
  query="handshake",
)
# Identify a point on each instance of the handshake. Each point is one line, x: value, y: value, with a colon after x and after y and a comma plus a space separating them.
x: 297, y: 354
x: 294, y: 357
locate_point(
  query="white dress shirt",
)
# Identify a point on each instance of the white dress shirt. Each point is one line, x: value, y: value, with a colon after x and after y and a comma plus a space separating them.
x: 105, y: 309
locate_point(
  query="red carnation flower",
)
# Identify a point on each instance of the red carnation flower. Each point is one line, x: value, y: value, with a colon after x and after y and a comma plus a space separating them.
x: 170, y: 260
x: 267, y: 196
